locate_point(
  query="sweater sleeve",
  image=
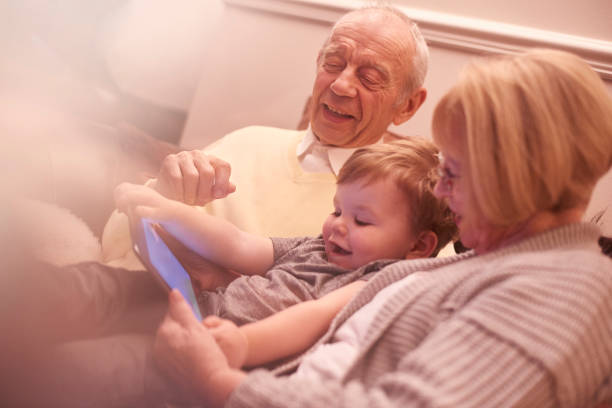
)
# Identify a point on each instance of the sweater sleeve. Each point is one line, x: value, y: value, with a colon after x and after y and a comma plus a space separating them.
x: 519, y: 340
x: 415, y: 382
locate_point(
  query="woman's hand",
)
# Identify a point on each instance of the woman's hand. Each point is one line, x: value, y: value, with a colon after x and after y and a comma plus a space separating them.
x: 232, y: 341
x: 188, y: 354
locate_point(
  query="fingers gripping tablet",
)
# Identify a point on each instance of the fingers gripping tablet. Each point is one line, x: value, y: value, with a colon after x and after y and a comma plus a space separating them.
x: 159, y: 259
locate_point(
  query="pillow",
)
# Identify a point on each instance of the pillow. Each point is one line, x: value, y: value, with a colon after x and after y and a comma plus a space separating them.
x: 58, y: 236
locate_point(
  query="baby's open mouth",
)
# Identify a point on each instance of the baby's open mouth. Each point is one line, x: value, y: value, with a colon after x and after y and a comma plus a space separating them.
x: 339, y: 250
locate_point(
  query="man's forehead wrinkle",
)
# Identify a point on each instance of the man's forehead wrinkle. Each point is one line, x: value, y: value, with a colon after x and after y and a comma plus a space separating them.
x: 351, y: 52
x: 374, y: 46
x: 368, y: 54
x: 335, y: 48
x: 378, y: 25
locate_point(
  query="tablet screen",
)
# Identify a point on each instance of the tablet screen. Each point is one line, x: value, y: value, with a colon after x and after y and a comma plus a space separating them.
x: 158, y: 258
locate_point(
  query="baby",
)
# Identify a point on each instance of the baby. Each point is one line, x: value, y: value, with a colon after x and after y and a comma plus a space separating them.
x: 384, y: 210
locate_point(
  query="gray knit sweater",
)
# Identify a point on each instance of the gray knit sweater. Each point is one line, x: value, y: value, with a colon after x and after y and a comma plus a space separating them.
x: 300, y: 272
x: 529, y: 325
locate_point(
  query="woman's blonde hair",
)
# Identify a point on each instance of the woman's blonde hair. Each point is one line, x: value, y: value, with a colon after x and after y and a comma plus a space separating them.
x: 535, y: 129
x: 412, y: 164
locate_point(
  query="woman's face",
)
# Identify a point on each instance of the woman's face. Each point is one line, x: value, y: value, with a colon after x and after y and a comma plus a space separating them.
x: 454, y: 187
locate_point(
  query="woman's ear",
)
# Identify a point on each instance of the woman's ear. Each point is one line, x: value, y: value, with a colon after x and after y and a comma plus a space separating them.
x: 424, y: 246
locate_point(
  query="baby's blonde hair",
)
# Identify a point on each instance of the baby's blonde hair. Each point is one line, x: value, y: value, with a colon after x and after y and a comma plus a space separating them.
x: 412, y: 164
x: 535, y: 130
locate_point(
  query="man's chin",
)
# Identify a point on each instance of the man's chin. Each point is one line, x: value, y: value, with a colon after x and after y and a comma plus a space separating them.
x: 334, y: 138
x: 346, y: 139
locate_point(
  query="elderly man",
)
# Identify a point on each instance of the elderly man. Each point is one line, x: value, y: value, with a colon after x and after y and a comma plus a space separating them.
x: 370, y: 73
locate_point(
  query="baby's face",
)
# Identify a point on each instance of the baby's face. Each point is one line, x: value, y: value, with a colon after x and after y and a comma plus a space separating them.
x: 369, y: 222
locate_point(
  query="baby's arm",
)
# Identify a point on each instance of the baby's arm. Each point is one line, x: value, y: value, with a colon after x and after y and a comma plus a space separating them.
x: 215, y: 239
x: 283, y: 334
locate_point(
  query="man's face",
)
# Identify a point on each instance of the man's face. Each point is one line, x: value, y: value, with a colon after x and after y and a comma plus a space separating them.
x: 361, y: 74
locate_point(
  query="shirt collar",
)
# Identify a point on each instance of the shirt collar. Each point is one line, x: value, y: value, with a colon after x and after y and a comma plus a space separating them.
x: 337, y: 156
x: 306, y: 142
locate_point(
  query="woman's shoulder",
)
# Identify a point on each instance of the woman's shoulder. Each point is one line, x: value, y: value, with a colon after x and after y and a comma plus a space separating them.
x: 544, y: 276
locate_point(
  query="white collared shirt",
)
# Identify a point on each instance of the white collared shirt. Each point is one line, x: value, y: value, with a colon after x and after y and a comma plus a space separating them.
x: 330, y: 361
x: 315, y: 157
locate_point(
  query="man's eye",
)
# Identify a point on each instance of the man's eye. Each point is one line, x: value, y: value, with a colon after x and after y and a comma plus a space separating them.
x: 371, y: 78
x: 332, y: 67
x: 370, y: 81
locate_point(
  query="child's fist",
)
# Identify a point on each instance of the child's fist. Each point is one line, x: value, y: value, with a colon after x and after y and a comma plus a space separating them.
x: 232, y: 341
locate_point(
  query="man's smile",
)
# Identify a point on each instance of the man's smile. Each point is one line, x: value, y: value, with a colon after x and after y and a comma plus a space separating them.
x: 335, y: 114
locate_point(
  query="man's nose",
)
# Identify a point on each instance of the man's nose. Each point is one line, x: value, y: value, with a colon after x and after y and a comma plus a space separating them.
x: 345, y: 83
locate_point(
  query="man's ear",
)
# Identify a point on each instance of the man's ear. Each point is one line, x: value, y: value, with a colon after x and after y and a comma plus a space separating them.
x: 410, y: 106
x: 424, y: 246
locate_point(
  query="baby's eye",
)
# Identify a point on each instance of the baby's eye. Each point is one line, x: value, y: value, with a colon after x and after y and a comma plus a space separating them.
x: 361, y: 223
x: 336, y: 213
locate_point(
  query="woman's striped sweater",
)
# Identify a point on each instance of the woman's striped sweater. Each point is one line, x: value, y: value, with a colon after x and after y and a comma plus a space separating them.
x: 529, y: 325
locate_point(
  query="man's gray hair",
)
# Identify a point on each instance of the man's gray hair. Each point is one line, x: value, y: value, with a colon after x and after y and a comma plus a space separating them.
x: 420, y: 60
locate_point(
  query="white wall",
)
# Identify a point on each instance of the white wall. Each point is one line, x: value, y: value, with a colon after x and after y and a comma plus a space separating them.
x: 155, y: 49
x: 587, y: 18
x: 260, y: 72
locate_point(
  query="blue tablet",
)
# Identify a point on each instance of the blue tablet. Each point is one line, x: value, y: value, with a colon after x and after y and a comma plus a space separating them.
x: 159, y: 259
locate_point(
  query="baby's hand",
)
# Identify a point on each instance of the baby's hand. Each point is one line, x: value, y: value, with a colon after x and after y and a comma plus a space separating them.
x: 144, y: 202
x: 230, y: 339
x: 140, y: 200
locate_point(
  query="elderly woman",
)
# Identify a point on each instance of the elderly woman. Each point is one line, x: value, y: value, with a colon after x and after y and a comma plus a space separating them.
x: 525, y: 319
